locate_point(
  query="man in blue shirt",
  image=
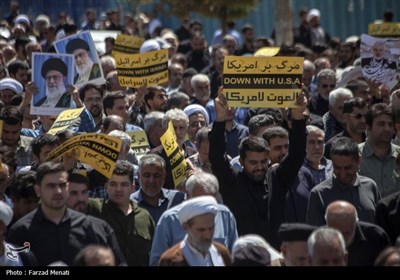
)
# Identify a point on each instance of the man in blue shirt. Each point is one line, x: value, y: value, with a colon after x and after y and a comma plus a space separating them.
x: 152, y: 196
x: 169, y: 231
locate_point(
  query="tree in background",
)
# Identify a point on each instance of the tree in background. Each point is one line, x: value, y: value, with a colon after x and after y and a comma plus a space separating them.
x: 228, y: 10
x: 283, y: 22
x: 224, y: 10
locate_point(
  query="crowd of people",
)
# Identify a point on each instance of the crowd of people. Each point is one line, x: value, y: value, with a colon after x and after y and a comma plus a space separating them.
x: 313, y: 185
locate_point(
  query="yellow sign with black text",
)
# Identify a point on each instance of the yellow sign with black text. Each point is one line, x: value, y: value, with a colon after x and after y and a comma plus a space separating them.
x: 100, y: 151
x: 264, y: 82
x: 175, y: 157
x: 127, y: 44
x: 65, y: 120
x: 390, y: 29
x: 145, y: 69
x: 140, y: 145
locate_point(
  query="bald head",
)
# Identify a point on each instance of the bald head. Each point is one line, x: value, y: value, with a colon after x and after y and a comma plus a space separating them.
x: 113, y: 122
x: 343, y: 216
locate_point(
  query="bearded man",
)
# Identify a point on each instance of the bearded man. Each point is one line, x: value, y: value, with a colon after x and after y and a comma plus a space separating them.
x: 54, y: 71
x: 197, y: 217
x: 87, y: 69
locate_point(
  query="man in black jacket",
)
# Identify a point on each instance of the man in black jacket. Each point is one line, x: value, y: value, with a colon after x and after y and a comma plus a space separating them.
x: 364, y: 241
x: 55, y: 233
x: 257, y: 197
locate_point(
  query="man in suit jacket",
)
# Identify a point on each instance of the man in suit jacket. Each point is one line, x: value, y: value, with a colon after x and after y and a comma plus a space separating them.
x: 197, y: 248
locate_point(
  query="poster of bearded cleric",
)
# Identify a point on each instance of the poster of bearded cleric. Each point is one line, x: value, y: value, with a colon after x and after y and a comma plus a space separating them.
x: 379, y: 59
x: 87, y: 64
x: 52, y: 75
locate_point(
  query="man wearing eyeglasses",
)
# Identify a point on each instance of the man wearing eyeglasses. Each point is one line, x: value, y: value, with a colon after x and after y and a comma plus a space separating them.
x: 198, y: 118
x: 54, y: 71
x: 92, y: 97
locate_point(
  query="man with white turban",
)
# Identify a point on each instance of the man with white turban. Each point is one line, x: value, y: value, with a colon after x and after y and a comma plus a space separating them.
x: 197, y: 217
x: 198, y: 118
x: 318, y: 35
x: 8, y: 255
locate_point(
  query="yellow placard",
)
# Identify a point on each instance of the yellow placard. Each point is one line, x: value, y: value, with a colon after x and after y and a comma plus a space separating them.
x: 127, y: 44
x: 267, y: 51
x: 279, y: 98
x: 98, y: 150
x: 175, y: 157
x: 140, y: 145
x: 384, y: 29
x: 66, y: 119
x: 145, y: 69
x: 262, y: 82
x: 263, y: 65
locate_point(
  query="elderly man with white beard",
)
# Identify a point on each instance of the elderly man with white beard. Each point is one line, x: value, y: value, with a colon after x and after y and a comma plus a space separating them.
x: 87, y: 69
x: 54, y: 71
x: 198, y: 248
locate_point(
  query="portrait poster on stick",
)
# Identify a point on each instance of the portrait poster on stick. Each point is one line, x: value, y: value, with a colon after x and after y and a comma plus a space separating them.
x: 87, y: 64
x: 379, y: 60
x: 51, y: 74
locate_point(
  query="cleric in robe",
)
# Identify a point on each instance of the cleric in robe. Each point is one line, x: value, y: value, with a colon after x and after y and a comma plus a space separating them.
x: 54, y: 72
x: 86, y: 68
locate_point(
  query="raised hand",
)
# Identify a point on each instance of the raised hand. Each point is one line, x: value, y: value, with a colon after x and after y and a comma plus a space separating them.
x: 221, y: 106
x: 73, y: 91
x: 139, y: 99
x: 30, y: 89
x: 301, y: 102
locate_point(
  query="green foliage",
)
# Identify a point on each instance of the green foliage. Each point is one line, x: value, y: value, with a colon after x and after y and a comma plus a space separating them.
x: 222, y: 9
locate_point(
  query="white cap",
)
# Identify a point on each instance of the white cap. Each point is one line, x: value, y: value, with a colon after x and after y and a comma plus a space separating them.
x: 44, y: 18
x: 196, y: 108
x: 352, y: 39
x: 169, y: 35
x: 197, y: 206
x: 163, y: 43
x: 154, y: 45
x: 60, y: 34
x: 149, y: 46
x: 254, y: 240
x: 5, y: 32
x: 6, y: 213
x: 22, y: 19
x: 11, y: 84
x: 313, y: 13
x: 348, y: 74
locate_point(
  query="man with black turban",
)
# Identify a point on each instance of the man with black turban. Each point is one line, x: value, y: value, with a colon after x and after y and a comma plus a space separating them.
x: 54, y: 71
x: 87, y: 69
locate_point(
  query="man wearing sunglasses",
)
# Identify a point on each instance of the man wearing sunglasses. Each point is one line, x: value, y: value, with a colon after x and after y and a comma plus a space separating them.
x: 326, y: 82
x: 354, y: 113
